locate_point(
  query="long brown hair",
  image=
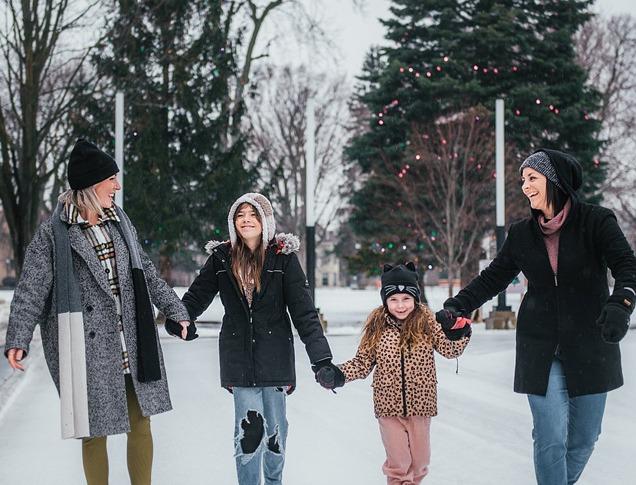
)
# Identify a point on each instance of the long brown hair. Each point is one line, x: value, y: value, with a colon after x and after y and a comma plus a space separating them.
x: 245, y: 262
x: 415, y: 328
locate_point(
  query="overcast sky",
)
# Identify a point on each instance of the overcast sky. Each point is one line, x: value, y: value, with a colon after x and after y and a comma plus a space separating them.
x: 353, y: 30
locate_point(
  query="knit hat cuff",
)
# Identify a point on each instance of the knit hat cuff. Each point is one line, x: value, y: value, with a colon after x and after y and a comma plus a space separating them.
x: 540, y: 161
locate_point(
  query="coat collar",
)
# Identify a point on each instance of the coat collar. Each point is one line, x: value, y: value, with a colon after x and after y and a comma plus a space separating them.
x: 282, y: 243
x: 71, y: 215
x: 81, y: 246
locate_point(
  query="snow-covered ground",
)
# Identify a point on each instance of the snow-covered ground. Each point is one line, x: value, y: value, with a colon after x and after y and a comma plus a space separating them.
x: 481, y: 436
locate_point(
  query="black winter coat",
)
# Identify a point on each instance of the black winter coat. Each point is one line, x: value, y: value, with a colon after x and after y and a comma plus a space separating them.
x: 558, y: 313
x: 256, y: 345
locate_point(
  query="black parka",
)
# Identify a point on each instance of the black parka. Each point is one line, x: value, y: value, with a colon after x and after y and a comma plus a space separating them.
x: 558, y: 313
x: 256, y: 345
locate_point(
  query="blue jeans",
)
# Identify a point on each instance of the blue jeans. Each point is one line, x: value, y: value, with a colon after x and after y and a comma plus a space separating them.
x: 260, y: 433
x: 565, y: 430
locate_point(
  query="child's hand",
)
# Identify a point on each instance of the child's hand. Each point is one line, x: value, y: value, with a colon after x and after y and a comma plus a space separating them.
x: 453, y: 324
x: 447, y: 318
x: 328, y: 375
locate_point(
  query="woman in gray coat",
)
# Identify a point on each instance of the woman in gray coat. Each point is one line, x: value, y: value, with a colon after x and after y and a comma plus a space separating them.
x: 90, y: 286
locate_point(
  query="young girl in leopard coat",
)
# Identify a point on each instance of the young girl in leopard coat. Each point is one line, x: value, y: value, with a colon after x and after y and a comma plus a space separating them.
x: 398, y: 340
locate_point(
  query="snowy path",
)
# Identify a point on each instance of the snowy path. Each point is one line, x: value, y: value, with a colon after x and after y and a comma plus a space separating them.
x: 481, y: 437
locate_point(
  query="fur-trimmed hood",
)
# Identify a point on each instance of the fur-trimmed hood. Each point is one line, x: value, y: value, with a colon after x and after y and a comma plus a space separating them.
x: 210, y: 245
x: 283, y: 243
x: 263, y: 206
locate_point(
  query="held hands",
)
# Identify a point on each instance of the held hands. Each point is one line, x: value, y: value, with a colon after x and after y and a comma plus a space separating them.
x: 328, y: 375
x: 452, y: 321
x: 185, y: 329
x: 14, y: 356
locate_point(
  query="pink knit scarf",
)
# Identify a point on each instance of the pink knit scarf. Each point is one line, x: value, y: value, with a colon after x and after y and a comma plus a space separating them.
x: 551, y: 230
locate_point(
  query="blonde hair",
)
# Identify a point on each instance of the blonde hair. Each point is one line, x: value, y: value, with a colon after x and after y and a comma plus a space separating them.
x: 245, y: 262
x: 415, y: 328
x: 85, y: 200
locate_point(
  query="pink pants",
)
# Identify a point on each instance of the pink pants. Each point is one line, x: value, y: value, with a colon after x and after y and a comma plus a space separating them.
x: 407, y: 442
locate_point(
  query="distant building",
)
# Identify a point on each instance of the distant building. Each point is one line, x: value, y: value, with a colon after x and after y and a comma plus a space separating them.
x: 329, y: 268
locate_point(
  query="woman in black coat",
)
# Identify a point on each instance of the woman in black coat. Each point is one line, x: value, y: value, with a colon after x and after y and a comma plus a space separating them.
x: 569, y: 325
x: 260, y: 280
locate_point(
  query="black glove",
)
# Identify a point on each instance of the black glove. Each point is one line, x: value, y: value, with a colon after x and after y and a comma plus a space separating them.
x: 328, y: 375
x: 174, y: 328
x: 287, y: 389
x: 614, y: 318
x: 448, y: 317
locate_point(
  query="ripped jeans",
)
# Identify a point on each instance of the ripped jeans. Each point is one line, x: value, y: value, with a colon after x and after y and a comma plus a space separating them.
x: 260, y: 432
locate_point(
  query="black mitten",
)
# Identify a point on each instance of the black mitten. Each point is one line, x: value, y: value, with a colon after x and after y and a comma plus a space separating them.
x: 615, y: 315
x: 614, y: 322
x: 449, y: 315
x: 447, y: 318
x: 174, y: 328
x: 328, y: 375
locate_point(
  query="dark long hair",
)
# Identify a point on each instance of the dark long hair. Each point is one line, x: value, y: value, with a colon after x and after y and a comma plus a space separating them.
x: 555, y: 197
x: 245, y: 262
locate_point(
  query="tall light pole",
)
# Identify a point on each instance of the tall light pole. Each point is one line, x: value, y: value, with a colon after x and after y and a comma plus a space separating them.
x: 501, y: 192
x: 310, y: 186
x: 119, y: 145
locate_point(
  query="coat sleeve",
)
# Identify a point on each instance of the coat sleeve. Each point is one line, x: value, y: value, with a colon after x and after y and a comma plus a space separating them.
x: 443, y: 345
x: 32, y: 297
x: 303, y: 312
x: 617, y: 252
x: 360, y: 366
x: 492, y: 280
x: 202, y: 290
x: 161, y: 294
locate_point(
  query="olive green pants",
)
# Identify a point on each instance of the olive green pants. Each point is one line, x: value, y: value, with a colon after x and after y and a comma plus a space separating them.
x: 139, y: 449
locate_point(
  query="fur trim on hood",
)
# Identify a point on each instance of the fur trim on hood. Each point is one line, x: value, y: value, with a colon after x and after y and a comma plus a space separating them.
x: 287, y: 243
x: 209, y: 247
x: 264, y: 208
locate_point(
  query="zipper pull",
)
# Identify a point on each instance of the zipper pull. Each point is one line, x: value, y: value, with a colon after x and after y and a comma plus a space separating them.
x: 556, y: 281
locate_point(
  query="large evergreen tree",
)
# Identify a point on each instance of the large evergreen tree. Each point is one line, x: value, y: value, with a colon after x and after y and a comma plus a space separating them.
x: 173, y: 61
x: 448, y: 56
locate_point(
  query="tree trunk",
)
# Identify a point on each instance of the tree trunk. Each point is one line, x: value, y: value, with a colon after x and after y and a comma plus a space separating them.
x: 165, y: 264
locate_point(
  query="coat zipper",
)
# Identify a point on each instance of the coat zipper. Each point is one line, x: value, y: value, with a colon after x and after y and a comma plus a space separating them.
x: 248, y: 312
x: 403, y: 383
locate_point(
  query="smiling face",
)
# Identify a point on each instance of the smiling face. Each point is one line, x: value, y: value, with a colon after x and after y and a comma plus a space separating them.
x: 248, y: 223
x: 105, y: 191
x: 534, y: 187
x: 400, y: 305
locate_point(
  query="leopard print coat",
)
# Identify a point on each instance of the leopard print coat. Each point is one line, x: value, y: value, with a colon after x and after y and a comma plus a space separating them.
x: 404, y: 383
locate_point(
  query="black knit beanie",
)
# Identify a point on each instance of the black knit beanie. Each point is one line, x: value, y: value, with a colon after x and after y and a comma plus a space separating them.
x: 399, y: 279
x: 89, y: 165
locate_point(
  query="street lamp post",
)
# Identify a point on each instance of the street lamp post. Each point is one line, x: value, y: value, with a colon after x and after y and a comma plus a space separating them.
x: 119, y: 145
x: 310, y: 184
x: 501, y: 316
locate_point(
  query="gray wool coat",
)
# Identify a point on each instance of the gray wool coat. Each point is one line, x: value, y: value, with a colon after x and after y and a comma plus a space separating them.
x: 34, y: 303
